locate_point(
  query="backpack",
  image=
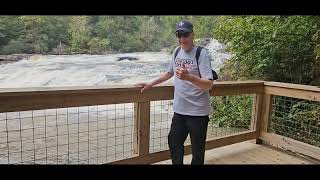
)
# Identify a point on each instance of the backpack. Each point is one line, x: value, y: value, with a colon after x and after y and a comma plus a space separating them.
x: 214, y: 74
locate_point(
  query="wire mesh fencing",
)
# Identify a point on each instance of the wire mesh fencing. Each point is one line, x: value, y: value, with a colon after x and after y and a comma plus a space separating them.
x: 103, y: 133
x: 76, y: 135
x: 161, y: 114
x: 231, y: 114
x: 296, y: 118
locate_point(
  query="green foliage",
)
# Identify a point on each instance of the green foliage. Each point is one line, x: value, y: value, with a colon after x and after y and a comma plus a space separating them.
x: 96, y: 34
x: 98, y: 46
x: 276, y: 48
x: 232, y: 111
x: 297, y: 120
x: 16, y: 47
x: 35, y: 32
x: 203, y: 25
x: 79, y: 31
x: 10, y: 29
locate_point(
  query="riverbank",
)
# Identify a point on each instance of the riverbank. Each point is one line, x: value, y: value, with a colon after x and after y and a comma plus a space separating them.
x: 13, y: 57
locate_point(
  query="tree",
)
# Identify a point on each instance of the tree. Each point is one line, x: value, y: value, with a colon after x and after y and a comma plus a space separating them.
x: 35, y: 32
x: 272, y: 48
x: 79, y: 33
x: 98, y: 46
x: 10, y: 29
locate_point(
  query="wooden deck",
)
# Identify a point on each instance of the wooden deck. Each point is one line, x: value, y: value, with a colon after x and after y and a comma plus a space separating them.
x: 250, y: 153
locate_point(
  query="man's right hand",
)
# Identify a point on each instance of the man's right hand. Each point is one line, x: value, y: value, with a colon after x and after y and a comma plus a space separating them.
x: 145, y: 86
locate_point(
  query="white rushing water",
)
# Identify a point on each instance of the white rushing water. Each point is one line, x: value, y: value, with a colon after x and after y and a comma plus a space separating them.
x: 91, y: 70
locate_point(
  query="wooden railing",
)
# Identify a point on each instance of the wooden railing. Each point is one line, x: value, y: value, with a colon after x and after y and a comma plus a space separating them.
x: 45, y: 98
x: 304, y: 92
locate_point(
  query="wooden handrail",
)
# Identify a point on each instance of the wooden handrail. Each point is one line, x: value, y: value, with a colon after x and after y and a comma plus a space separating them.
x: 311, y: 93
x: 46, y: 98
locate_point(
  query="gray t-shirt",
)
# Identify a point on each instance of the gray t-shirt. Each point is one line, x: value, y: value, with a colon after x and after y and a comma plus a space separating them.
x: 188, y: 98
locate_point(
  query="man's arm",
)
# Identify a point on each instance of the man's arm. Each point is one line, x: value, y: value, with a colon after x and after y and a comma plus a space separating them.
x: 201, y: 83
x: 163, y: 77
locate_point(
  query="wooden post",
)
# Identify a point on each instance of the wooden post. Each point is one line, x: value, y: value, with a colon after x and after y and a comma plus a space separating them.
x: 267, y: 108
x: 136, y: 129
x: 257, y: 108
x: 142, y: 128
x: 262, y: 114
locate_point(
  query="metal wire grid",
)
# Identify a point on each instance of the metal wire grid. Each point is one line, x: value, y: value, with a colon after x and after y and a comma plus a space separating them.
x: 231, y: 114
x: 297, y: 119
x: 161, y: 114
x: 77, y: 135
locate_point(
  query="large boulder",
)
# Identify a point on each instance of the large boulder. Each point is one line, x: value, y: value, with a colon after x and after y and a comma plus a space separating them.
x: 216, y: 51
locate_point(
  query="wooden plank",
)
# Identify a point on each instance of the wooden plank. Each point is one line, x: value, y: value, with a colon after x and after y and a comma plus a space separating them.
x: 210, y: 144
x: 46, y: 98
x: 291, y: 145
x: 135, y: 137
x: 50, y: 99
x: 262, y: 116
x: 249, y: 153
x: 236, y: 89
x: 106, y: 89
x: 146, y: 159
x: 294, y: 93
x: 266, y: 112
x: 293, y: 86
x: 237, y: 83
x: 254, y: 113
x: 257, y: 109
x: 143, y: 128
x: 231, y: 139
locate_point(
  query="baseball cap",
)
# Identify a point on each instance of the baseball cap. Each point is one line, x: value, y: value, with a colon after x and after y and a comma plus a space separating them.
x: 184, y: 26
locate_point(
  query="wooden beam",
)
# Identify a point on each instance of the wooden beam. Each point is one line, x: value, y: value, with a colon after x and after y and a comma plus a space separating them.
x: 143, y: 117
x: 135, y: 140
x: 146, y: 159
x: 266, y: 113
x: 291, y: 145
x: 210, y: 144
x: 231, y: 139
x: 236, y: 88
x: 23, y: 99
x: 294, y: 93
x: 292, y: 86
x: 257, y: 109
x: 106, y: 89
x: 263, y: 115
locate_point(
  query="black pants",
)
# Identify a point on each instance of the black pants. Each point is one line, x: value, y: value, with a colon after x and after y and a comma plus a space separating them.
x: 181, y: 126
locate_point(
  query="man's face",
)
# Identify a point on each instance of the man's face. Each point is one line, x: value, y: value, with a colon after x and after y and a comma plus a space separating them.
x: 185, y: 40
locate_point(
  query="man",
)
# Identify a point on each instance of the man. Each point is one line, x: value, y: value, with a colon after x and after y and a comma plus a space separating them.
x: 191, y: 104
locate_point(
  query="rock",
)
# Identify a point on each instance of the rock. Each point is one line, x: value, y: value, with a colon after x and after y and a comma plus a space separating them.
x: 203, y: 41
x: 127, y: 58
x: 13, y: 57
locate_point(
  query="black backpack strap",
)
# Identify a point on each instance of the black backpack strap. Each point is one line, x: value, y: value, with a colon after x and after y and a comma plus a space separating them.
x: 214, y: 74
x: 176, y: 53
x: 197, y: 57
x: 198, y: 53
